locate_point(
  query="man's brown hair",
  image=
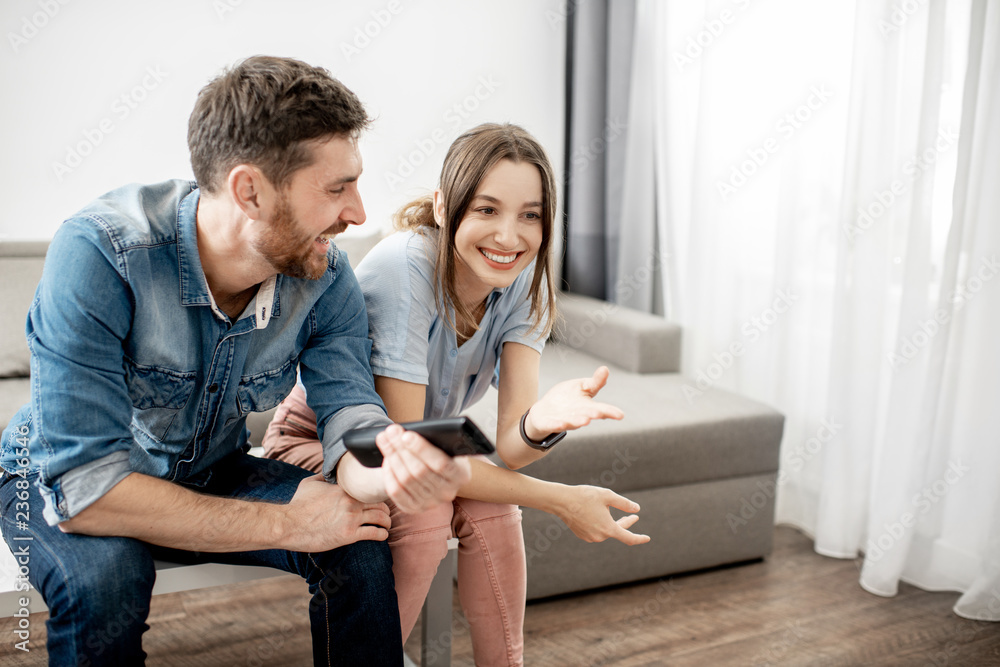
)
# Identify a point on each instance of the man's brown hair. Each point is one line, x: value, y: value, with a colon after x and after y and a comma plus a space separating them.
x: 469, y: 158
x: 260, y: 112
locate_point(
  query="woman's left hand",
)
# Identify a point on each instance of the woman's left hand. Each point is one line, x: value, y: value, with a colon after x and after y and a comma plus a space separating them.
x: 570, y: 405
x: 585, y: 509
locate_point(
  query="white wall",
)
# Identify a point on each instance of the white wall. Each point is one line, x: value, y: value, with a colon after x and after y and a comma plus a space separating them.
x: 114, y: 82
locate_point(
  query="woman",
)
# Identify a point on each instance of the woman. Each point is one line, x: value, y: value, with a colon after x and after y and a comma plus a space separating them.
x: 456, y: 301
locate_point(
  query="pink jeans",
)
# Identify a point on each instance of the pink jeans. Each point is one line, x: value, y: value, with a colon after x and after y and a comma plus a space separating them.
x: 492, y: 576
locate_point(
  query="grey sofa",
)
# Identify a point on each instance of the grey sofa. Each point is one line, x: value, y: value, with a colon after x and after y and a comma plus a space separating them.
x: 20, y: 271
x: 702, y: 469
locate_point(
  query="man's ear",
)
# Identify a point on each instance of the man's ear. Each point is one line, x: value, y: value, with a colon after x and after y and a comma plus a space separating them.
x: 246, y: 186
x: 439, y: 207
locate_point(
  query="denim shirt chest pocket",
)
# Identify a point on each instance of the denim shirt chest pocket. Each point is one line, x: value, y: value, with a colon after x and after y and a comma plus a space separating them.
x: 158, y: 395
x: 259, y: 392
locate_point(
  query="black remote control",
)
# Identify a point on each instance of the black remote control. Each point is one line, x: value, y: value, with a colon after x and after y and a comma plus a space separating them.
x: 455, y: 436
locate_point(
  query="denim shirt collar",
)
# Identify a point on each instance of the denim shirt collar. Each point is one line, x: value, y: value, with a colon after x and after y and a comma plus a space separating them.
x: 194, y: 284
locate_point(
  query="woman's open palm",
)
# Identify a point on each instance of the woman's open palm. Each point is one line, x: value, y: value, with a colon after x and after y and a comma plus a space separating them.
x: 570, y: 404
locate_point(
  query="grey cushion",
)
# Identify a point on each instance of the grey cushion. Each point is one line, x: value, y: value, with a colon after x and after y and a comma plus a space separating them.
x: 20, y: 270
x: 14, y: 392
x: 664, y: 439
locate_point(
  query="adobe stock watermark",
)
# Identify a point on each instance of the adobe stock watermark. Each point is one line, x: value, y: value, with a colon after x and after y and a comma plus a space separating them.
x: 121, y: 108
x: 561, y: 14
x: 439, y: 647
x: 752, y: 330
x: 910, y: 346
x: 775, y: 653
x: 541, y: 541
x: 363, y: 35
x: 624, y: 289
x: 802, y: 454
x: 584, y: 155
x: 707, y: 35
x: 912, y: 169
x: 786, y: 127
x: 32, y: 24
x: 922, y: 503
x: 23, y: 536
x: 224, y: 7
x: 636, y: 617
x: 963, y: 632
x: 901, y: 13
x: 262, y: 652
x: 454, y: 117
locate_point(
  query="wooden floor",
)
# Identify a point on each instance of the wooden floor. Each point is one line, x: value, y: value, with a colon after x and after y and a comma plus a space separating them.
x: 795, y: 608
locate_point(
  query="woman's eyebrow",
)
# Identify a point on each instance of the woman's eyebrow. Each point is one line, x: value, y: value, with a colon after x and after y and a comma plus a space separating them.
x: 494, y: 200
x: 488, y: 198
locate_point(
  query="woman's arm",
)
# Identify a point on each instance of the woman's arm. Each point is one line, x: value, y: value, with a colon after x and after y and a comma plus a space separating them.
x: 567, y: 406
x: 583, y: 508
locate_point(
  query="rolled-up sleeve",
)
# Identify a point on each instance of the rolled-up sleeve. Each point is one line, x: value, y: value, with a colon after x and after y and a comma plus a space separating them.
x: 81, y: 410
x: 82, y: 486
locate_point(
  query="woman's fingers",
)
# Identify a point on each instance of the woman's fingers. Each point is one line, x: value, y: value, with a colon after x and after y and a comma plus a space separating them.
x: 624, y: 536
x: 584, y: 414
x: 622, y: 503
x: 604, y: 411
x: 596, y: 382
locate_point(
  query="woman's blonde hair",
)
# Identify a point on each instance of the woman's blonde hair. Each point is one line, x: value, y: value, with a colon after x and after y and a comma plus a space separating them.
x: 469, y: 159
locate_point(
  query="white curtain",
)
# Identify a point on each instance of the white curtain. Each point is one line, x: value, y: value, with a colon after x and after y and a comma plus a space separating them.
x: 826, y: 182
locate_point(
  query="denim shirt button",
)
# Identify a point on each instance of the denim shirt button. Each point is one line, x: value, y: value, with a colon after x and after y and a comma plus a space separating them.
x: 444, y: 392
x: 212, y: 388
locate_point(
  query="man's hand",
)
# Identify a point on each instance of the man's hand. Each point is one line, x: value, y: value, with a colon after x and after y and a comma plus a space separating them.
x: 322, y: 516
x: 417, y: 475
x: 585, y: 510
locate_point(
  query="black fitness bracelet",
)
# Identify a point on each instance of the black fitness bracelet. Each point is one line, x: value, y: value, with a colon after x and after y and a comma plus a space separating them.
x: 546, y: 444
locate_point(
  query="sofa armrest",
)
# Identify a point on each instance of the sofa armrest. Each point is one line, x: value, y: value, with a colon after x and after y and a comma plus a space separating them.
x: 632, y: 340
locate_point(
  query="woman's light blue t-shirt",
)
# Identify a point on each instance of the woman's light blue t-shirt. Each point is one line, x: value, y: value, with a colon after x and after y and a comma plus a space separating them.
x: 411, y: 342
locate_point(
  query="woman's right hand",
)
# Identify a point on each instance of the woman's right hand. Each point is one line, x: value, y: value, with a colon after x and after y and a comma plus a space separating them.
x: 585, y: 509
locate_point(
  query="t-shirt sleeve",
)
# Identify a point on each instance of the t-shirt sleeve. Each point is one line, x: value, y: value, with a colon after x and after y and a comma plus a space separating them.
x: 397, y: 279
x: 517, y: 327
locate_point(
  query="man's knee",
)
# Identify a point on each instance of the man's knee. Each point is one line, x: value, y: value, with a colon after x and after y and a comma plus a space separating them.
x: 362, y: 570
x: 115, y: 584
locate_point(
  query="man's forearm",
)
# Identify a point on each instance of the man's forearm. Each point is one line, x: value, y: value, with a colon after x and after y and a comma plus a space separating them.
x: 163, y: 513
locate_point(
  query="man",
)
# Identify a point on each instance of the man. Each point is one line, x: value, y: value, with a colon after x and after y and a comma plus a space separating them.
x: 166, y: 314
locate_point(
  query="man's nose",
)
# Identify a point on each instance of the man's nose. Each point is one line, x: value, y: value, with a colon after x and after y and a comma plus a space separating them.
x: 354, y: 212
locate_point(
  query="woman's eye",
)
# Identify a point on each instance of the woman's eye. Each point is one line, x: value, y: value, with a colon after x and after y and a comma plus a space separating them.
x: 532, y: 215
x: 488, y: 210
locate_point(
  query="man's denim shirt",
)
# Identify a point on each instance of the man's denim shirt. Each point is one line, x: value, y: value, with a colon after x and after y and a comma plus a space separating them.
x: 135, y: 369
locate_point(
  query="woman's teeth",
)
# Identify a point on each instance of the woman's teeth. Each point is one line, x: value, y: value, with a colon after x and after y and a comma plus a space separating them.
x: 499, y: 259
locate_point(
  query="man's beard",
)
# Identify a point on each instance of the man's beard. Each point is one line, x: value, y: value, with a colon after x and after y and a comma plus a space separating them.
x: 287, y: 250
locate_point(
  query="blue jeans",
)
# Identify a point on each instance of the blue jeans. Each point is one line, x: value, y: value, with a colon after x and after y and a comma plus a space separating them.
x: 98, y: 588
